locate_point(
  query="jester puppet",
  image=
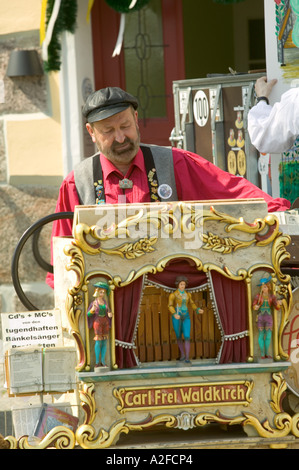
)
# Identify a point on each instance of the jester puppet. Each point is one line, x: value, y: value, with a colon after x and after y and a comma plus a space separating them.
x: 99, y: 317
x: 264, y: 302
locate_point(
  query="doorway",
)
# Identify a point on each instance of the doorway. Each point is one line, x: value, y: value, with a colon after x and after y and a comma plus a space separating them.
x: 152, y: 57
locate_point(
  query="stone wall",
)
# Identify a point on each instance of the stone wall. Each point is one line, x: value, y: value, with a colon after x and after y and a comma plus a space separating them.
x: 22, y: 205
x: 22, y: 94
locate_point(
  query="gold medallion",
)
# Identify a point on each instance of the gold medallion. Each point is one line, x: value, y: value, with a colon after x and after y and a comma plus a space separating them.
x: 241, y: 163
x: 232, y: 162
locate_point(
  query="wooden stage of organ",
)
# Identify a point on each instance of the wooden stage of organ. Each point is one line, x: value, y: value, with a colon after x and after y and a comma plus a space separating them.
x: 225, y: 247
x: 156, y: 340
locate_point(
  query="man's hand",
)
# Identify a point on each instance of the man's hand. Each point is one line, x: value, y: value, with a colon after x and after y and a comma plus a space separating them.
x: 263, y: 87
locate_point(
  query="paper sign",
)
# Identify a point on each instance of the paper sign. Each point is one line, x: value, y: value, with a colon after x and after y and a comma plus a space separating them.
x: 25, y: 370
x: 38, y: 328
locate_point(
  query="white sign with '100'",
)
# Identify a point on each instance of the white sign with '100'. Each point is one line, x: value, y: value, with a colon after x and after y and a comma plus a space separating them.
x: 201, y: 108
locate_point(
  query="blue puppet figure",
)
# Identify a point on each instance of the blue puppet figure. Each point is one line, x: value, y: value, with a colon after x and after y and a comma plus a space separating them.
x: 178, y: 304
x: 263, y: 303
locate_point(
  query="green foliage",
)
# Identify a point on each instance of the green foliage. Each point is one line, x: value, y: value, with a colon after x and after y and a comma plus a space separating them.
x: 66, y: 21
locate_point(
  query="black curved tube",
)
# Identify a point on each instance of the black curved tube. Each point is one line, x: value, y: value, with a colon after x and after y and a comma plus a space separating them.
x: 36, y: 227
x: 36, y: 253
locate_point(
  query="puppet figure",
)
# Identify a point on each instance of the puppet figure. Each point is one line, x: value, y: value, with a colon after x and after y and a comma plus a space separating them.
x: 263, y: 303
x: 178, y: 304
x: 99, y: 317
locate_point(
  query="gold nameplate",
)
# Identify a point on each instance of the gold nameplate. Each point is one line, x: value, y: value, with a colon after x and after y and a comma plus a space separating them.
x: 182, y: 396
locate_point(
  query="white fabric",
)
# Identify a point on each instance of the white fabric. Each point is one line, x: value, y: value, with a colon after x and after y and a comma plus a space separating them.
x: 120, y: 37
x: 50, y: 28
x: 274, y: 129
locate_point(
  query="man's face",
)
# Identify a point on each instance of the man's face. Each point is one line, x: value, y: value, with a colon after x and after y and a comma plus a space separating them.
x: 117, y: 137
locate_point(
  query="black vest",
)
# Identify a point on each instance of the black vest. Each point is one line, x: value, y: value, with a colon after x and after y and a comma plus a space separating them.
x: 159, y: 168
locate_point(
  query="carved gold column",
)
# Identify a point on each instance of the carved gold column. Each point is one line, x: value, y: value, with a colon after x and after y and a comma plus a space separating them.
x: 87, y: 339
x: 250, y: 315
x: 112, y: 332
x: 275, y: 328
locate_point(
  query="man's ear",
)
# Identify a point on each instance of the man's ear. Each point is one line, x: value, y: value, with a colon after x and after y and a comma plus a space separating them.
x: 136, y: 117
x: 90, y: 131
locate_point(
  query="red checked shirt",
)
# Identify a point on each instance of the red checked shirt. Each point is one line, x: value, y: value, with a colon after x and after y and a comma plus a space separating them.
x: 196, y: 180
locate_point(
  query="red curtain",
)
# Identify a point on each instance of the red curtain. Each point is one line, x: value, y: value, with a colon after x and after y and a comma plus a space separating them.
x: 182, y: 267
x: 231, y: 301
x: 126, y: 301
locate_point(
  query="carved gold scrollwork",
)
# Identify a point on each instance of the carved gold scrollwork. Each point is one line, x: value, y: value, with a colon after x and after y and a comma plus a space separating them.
x: 279, y: 254
x: 192, y: 217
x: 81, y: 231
x: 205, y: 418
x: 283, y: 422
x: 228, y: 245
x: 295, y: 425
x: 265, y: 231
x: 133, y: 250
x: 278, y: 388
x: 86, y: 436
x: 270, y: 222
x: 11, y: 441
x: 161, y: 218
x: 166, y: 220
x: 90, y: 240
x: 223, y: 245
x: 76, y: 265
x: 126, y: 250
x: 59, y: 437
x: 88, y: 403
x: 287, y: 303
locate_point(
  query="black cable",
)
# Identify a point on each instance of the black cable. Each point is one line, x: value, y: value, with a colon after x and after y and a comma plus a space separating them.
x: 36, y: 227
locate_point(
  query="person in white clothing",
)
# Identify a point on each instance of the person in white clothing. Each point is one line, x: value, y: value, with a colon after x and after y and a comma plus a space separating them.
x: 273, y: 129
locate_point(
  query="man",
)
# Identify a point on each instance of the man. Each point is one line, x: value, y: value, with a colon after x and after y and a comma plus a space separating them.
x: 273, y: 129
x: 124, y: 171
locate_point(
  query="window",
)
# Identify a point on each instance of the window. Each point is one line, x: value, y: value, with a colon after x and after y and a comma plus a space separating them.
x: 256, y: 33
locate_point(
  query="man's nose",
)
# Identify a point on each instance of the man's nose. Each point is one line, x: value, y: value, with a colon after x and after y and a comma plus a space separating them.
x: 119, y: 136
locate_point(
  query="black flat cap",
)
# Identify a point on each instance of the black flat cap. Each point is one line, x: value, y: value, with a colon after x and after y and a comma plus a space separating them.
x: 106, y: 102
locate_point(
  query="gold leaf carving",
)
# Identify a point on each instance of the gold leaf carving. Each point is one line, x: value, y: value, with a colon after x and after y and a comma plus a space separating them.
x: 133, y: 250
x: 278, y: 388
x: 59, y: 437
x: 224, y: 245
x: 76, y: 265
x: 88, y: 402
x: 283, y: 423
